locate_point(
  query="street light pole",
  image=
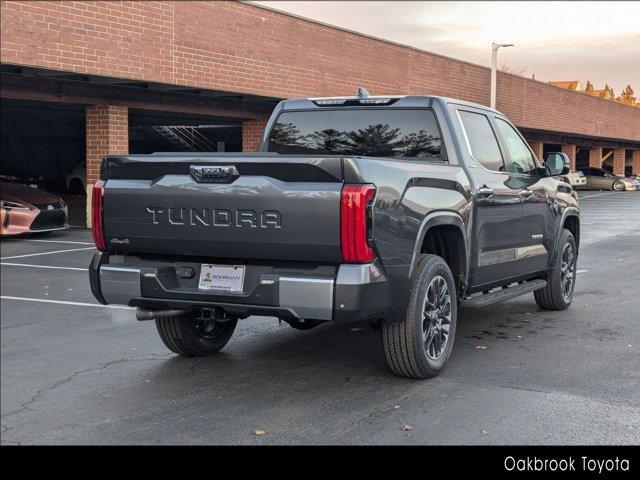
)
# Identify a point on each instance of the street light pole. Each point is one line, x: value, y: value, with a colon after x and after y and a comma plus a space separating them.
x: 494, y: 69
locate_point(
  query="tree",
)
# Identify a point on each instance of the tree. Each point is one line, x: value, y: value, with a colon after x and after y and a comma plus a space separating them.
x: 607, y: 93
x: 376, y: 140
x: 420, y: 144
x: 589, y: 87
x: 328, y: 140
x: 627, y: 96
x: 286, y: 134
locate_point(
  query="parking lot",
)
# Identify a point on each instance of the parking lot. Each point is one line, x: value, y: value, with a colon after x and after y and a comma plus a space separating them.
x: 77, y: 372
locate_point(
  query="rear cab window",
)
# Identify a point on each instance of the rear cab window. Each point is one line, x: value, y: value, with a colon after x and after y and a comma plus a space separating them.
x: 402, y: 133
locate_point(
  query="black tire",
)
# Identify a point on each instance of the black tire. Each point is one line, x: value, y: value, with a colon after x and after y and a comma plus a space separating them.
x: 182, y: 335
x: 404, y: 342
x: 618, y: 186
x: 554, y: 296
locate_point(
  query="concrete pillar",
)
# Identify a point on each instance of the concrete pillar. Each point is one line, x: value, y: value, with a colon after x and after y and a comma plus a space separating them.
x: 537, y: 147
x: 252, y: 131
x: 570, y: 150
x: 107, y: 133
x: 595, y: 157
x: 618, y: 161
x: 635, y: 162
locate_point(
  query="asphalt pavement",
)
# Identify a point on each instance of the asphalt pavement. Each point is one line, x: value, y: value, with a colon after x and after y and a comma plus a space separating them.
x: 75, y: 372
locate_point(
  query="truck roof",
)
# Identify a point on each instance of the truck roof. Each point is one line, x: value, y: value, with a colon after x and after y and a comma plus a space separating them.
x: 408, y: 101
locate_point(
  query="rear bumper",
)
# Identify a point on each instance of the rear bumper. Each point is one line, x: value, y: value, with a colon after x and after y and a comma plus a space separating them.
x: 343, y: 293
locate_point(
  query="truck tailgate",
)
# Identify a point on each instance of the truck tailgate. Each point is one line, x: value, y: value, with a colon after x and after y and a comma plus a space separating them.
x: 243, y: 206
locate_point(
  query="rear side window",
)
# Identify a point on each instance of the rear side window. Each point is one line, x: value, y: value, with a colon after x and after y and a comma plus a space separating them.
x: 522, y: 160
x: 482, y: 141
x: 361, y: 132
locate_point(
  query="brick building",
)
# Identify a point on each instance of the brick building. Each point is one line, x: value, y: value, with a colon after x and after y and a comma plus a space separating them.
x: 141, y: 76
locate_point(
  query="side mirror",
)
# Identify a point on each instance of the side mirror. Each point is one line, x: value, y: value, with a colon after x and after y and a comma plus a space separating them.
x: 556, y: 163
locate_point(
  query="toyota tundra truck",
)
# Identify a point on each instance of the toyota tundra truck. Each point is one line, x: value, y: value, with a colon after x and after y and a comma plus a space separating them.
x: 393, y: 210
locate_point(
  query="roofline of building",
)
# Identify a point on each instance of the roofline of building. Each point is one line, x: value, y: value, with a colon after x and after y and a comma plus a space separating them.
x: 411, y: 47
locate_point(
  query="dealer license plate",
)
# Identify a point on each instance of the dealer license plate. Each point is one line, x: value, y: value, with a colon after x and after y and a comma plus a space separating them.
x: 229, y: 278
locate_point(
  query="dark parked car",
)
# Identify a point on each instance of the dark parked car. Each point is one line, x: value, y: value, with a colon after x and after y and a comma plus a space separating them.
x: 599, y: 179
x: 394, y: 210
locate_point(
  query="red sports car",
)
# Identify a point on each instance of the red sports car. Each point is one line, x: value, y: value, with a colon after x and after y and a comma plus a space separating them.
x: 28, y: 210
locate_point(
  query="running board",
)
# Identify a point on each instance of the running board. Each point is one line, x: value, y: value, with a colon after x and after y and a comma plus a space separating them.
x: 504, y: 294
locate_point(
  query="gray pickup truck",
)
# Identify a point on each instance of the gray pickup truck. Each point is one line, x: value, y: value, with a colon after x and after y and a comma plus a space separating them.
x: 394, y: 210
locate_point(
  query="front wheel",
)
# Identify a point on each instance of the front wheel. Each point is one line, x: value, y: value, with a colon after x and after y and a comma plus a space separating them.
x: 190, y: 336
x: 618, y: 186
x: 558, y: 292
x: 420, y: 345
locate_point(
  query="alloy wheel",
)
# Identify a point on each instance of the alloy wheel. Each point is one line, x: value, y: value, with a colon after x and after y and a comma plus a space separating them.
x: 436, y: 316
x: 567, y: 271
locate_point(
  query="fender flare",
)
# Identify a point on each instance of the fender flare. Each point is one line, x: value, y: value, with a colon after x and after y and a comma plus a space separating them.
x: 438, y: 218
x: 568, y: 212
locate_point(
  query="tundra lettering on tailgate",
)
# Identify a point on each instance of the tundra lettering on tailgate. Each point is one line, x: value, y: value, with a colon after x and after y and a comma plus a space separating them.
x: 215, y: 217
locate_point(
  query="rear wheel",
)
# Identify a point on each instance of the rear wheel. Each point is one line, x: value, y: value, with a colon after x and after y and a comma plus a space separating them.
x: 190, y: 336
x: 558, y: 292
x: 420, y: 345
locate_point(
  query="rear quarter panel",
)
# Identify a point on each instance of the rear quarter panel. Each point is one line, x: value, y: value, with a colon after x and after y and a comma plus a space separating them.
x: 407, y: 192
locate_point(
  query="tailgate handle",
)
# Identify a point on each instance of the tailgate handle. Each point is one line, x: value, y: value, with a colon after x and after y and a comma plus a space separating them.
x: 214, y: 173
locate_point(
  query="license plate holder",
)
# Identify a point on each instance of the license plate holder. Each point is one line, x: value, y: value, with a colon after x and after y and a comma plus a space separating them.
x: 223, y: 278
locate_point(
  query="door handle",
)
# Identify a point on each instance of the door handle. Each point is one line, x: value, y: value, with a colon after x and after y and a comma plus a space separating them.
x: 485, y: 191
x: 526, y: 193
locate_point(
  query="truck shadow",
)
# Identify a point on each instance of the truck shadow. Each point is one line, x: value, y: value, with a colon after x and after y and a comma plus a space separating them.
x: 339, y: 353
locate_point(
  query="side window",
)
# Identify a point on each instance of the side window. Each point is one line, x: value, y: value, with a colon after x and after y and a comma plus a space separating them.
x: 482, y: 141
x: 522, y: 160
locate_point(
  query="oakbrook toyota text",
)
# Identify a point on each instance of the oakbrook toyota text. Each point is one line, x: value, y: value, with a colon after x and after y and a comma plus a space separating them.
x: 569, y: 464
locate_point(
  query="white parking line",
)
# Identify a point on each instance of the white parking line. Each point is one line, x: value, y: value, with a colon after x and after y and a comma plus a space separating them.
x: 61, y: 302
x: 591, y: 196
x: 57, y: 241
x: 47, y: 253
x: 44, y: 266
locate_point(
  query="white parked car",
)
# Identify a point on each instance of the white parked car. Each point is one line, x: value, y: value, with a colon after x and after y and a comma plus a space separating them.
x: 574, y: 178
x: 76, y: 180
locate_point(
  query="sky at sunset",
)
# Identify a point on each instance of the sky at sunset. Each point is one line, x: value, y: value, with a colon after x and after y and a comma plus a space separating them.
x: 599, y: 41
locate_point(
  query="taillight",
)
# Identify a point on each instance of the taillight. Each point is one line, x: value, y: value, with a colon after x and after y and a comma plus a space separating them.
x: 354, y: 223
x: 97, y: 225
